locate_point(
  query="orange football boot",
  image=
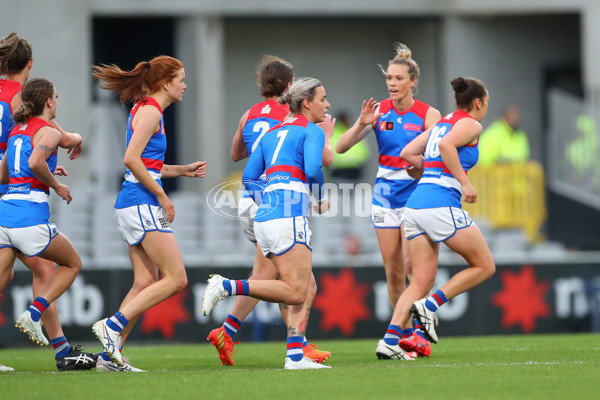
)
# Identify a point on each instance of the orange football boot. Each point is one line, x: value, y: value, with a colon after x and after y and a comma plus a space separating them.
x: 224, y: 345
x: 310, y: 351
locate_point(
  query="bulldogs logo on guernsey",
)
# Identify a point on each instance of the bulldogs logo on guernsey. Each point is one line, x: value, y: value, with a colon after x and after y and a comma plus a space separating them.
x: 8, y: 90
x: 132, y: 191
x: 394, y: 130
x: 438, y: 187
x: 26, y: 201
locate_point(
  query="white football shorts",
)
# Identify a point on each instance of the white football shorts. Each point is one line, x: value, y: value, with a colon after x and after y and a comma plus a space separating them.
x: 135, y: 221
x: 30, y: 240
x: 278, y: 236
x: 439, y: 224
x: 386, y: 217
x: 246, y: 212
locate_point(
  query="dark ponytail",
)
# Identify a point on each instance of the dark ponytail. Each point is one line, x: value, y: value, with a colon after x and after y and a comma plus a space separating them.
x: 466, y: 90
x: 35, y: 93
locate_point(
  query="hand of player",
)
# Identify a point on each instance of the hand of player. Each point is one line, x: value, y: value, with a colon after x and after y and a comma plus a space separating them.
x: 327, y: 125
x: 75, y: 151
x: 195, y: 169
x: 322, y: 206
x: 368, y: 112
x: 60, y: 171
x: 469, y: 193
x: 414, y: 172
x: 168, y: 207
x: 63, y: 192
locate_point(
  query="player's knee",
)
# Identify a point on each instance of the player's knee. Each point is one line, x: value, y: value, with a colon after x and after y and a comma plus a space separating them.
x: 312, y: 288
x: 141, y: 283
x: 489, y: 270
x: 298, y: 294
x: 180, y: 282
x: 75, y: 265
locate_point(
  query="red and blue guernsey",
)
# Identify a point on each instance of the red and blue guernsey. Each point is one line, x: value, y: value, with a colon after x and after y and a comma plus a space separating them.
x: 394, y: 130
x: 8, y: 90
x: 438, y: 187
x: 261, y: 118
x: 26, y: 200
x: 291, y: 155
x: 132, y: 191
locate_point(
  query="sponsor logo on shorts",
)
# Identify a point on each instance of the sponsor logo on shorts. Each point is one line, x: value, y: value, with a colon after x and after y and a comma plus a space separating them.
x: 379, y: 217
x: 147, y: 223
x: 163, y: 223
x: 300, y: 235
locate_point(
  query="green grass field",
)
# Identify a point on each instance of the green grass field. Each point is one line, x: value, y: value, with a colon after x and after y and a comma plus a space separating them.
x: 498, y: 367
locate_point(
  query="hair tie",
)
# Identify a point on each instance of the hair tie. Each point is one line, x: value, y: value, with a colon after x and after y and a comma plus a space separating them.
x: 148, y: 64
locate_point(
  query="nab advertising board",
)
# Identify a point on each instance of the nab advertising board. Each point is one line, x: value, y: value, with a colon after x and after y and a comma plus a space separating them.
x: 350, y: 303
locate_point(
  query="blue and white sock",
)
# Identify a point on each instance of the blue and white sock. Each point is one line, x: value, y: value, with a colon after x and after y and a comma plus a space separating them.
x: 392, y: 335
x: 61, y: 346
x: 38, y: 307
x: 407, y: 333
x: 418, y: 330
x: 117, y: 322
x: 304, y: 342
x: 294, y: 348
x: 435, y: 301
x: 231, y: 325
x: 236, y: 287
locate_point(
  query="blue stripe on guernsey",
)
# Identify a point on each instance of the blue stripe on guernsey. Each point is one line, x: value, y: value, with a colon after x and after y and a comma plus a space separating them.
x: 392, y: 335
x: 394, y: 130
x: 438, y: 187
x: 294, y: 348
x: 132, y: 191
x: 291, y: 154
x: 384, y: 190
x: 61, y: 346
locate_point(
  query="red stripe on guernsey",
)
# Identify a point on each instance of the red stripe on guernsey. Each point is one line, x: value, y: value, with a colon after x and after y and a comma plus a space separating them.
x: 418, y: 108
x: 39, y: 306
x: 392, y: 332
x: 148, y: 101
x: 438, y: 299
x: 3, y: 146
x: 294, y: 345
x: 31, y: 127
x: 152, y: 163
x: 392, y: 161
x: 35, y: 182
x: 239, y: 289
x: 439, y: 164
x: 295, y: 171
x: 232, y: 323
